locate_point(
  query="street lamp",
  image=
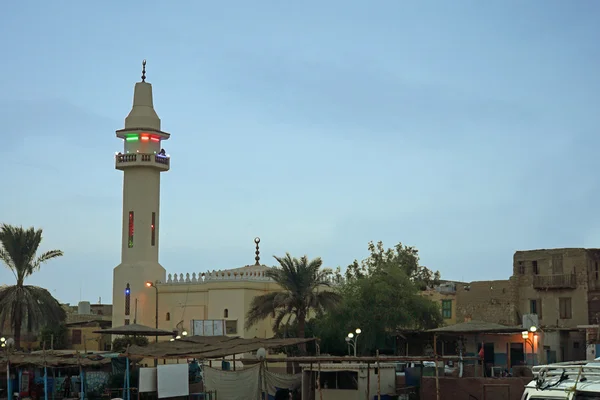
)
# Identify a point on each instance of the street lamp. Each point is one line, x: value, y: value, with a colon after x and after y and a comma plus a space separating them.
x: 525, y: 336
x: 351, y: 339
x: 149, y: 285
x: 3, y: 342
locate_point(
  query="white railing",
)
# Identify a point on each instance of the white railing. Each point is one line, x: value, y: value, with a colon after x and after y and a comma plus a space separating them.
x: 213, y: 276
x: 216, y: 276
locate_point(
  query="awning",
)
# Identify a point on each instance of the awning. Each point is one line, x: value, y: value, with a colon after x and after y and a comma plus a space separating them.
x: 204, y: 347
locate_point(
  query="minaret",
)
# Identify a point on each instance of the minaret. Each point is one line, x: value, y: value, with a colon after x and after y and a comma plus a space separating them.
x: 142, y: 160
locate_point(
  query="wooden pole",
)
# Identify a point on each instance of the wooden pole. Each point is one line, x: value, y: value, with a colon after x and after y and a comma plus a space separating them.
x: 437, y: 373
x: 45, y: 373
x: 319, y: 381
x: 368, y: 380
x: 8, y: 382
x: 379, y: 378
x: 81, y: 378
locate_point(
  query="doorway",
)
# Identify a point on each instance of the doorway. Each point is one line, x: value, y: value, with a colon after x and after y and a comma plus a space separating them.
x: 488, y: 357
x: 517, y: 354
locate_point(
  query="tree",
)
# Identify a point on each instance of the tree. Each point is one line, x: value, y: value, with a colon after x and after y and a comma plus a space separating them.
x: 304, y: 289
x: 379, y: 295
x: 406, y: 258
x: 25, y: 306
x: 121, y: 343
x: 54, y: 337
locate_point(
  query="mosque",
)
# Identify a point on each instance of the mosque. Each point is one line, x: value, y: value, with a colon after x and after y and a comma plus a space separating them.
x: 212, y: 303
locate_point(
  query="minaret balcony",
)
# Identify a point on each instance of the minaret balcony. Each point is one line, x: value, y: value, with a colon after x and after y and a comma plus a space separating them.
x: 124, y: 161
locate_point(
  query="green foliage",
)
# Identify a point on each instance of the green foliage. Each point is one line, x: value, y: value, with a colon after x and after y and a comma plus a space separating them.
x: 25, y: 306
x: 405, y: 258
x: 304, y: 286
x: 60, y: 337
x: 121, y: 343
x: 290, y: 330
x: 379, y: 295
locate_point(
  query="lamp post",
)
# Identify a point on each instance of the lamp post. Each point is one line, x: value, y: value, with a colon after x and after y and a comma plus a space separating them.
x: 352, y: 339
x: 149, y: 285
x: 526, y: 339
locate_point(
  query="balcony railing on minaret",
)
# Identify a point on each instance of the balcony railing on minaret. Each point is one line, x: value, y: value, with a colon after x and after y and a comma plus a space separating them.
x: 142, y: 159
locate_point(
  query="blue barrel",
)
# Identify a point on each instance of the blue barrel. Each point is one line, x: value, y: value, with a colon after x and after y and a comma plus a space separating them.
x: 225, y: 365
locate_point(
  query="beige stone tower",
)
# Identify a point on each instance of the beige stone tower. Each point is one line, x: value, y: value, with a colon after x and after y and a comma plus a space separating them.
x: 142, y: 160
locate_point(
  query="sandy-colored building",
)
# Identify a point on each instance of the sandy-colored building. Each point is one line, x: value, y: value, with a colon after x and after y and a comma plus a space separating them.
x: 558, y: 290
x: 211, y: 303
x: 82, y: 336
x: 444, y: 295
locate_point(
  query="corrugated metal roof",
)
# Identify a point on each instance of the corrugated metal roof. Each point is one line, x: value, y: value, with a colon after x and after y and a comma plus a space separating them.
x: 477, y: 327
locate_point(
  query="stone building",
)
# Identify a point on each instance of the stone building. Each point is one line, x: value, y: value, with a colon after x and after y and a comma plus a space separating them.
x: 558, y: 289
x: 489, y: 301
x: 561, y: 286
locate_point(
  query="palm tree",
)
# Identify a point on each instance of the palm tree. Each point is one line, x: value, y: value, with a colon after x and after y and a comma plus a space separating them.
x: 25, y: 306
x: 301, y: 281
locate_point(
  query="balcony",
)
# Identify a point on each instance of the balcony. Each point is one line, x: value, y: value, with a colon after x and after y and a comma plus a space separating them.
x: 123, y: 161
x: 556, y: 281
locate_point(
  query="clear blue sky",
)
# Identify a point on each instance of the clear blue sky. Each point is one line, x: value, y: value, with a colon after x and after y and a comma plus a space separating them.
x: 469, y: 129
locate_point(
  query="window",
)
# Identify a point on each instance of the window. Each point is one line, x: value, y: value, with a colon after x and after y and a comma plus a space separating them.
x: 557, y: 264
x: 130, y: 239
x: 226, y: 313
x: 342, y: 380
x: 575, y: 345
x: 535, y: 307
x: 564, y: 307
x: 168, y: 316
x: 76, y: 336
x: 521, y: 268
x: 596, y: 270
x: 447, y: 309
x: 231, y: 327
x: 534, y: 264
x: 127, y: 299
x: 153, y: 230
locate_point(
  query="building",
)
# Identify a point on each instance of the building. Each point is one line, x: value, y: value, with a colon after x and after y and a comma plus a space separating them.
x: 489, y: 301
x: 445, y: 295
x: 210, y: 303
x: 83, y: 336
x: 557, y: 290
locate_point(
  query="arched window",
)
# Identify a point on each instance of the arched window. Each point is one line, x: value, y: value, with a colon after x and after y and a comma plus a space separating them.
x: 168, y: 316
x: 226, y: 313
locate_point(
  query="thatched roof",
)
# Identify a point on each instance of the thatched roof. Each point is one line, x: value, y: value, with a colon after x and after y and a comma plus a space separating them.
x: 53, y: 359
x: 204, y: 347
x: 473, y: 327
x: 135, y: 329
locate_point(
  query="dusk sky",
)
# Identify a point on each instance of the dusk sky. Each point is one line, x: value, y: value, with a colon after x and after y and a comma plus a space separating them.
x: 469, y: 129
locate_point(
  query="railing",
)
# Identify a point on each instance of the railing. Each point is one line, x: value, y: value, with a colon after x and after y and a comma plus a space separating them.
x: 556, y: 281
x: 218, y: 276
x: 140, y: 158
x: 215, y: 276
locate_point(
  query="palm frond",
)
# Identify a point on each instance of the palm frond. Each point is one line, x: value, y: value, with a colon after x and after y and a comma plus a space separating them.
x: 300, y: 280
x: 263, y: 306
x: 19, y: 249
x: 34, y: 305
x: 49, y: 255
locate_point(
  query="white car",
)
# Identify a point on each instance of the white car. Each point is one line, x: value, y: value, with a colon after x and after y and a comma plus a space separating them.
x: 565, y: 381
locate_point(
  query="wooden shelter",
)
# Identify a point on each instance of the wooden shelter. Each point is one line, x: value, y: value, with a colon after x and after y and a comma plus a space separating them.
x: 205, y: 347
